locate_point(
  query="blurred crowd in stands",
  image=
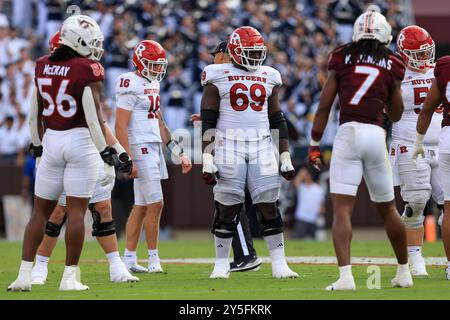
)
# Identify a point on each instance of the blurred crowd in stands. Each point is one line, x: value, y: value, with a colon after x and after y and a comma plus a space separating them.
x: 299, y: 35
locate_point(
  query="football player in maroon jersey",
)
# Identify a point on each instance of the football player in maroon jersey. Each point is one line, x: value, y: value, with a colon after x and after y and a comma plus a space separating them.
x: 367, y: 76
x: 66, y: 104
x: 103, y: 227
x: 439, y: 93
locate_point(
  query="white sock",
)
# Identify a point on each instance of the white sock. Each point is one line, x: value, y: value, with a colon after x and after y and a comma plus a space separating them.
x: 415, y: 251
x: 275, y: 244
x: 113, y: 257
x: 25, y: 268
x: 69, y: 270
x: 130, y: 256
x: 153, y: 255
x: 42, y: 261
x: 345, y: 271
x: 448, y: 266
x: 402, y: 268
x: 223, y: 248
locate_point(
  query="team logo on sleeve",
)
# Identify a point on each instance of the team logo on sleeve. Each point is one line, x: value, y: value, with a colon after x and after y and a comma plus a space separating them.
x: 97, y: 70
x: 203, y: 75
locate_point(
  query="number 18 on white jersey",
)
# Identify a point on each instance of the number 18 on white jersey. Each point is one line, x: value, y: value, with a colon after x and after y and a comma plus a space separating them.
x: 140, y: 96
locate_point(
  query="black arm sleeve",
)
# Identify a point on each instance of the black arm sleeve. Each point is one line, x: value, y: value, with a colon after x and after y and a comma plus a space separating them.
x: 277, y: 121
x: 209, y: 119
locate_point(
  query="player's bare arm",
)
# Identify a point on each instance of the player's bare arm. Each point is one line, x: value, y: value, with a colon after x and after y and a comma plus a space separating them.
x: 432, y: 101
x: 96, y: 88
x: 327, y: 97
x: 278, y: 122
x: 91, y: 106
x: 209, y: 109
x: 395, y: 106
x: 274, y: 110
x: 36, y: 126
x: 122, y: 120
x: 173, y: 145
x: 121, y: 126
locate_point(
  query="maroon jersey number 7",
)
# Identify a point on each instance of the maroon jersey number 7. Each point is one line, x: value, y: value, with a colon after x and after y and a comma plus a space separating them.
x: 364, y: 85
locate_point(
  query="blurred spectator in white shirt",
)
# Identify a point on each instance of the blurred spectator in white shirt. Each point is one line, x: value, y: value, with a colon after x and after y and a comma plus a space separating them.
x: 310, y: 204
x: 8, y: 140
x: 4, y: 41
x: 23, y: 138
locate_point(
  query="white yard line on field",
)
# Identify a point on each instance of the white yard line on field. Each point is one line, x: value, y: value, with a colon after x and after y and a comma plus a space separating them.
x: 432, y: 261
x: 316, y: 260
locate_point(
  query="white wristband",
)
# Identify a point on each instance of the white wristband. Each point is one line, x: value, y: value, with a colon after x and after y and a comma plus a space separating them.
x: 285, y: 158
x: 118, y: 148
x: 208, y: 158
x: 419, y: 138
x: 314, y: 143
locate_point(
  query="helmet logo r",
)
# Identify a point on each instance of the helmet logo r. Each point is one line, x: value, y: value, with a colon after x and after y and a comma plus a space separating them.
x: 235, y: 39
x: 400, y: 40
x: 140, y: 48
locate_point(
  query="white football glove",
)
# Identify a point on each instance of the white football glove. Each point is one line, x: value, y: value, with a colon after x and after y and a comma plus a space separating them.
x: 210, y: 171
x: 287, y: 169
x: 109, y: 175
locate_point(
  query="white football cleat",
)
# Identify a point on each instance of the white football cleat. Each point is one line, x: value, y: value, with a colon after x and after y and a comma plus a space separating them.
x: 342, y: 284
x: 447, y: 272
x: 134, y: 267
x: 403, y: 280
x: 22, y: 284
x: 39, y: 275
x: 283, y: 272
x: 417, y: 267
x: 154, y: 267
x: 118, y: 273
x: 71, y: 280
x: 220, y: 272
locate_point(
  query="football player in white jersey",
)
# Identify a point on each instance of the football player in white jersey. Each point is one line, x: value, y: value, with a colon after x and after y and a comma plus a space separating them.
x: 240, y: 107
x: 99, y: 205
x: 417, y: 181
x: 140, y: 128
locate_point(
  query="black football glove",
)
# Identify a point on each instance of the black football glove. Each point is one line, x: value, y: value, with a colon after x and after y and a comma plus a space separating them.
x: 108, y: 155
x: 35, y: 152
x: 125, y: 163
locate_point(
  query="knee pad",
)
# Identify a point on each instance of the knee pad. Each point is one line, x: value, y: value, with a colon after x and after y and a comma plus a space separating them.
x: 53, y: 229
x: 272, y: 226
x: 223, y: 229
x: 413, y: 215
x: 101, y: 229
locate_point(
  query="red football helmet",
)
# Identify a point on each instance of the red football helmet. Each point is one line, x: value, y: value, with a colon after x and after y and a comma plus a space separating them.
x: 54, y: 43
x: 149, y: 58
x: 416, y: 47
x: 246, y: 48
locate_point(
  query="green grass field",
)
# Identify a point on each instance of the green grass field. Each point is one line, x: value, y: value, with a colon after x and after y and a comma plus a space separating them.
x: 191, y: 281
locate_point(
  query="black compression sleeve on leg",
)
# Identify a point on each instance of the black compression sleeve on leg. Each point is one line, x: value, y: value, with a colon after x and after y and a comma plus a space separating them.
x: 277, y: 121
x: 209, y: 119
